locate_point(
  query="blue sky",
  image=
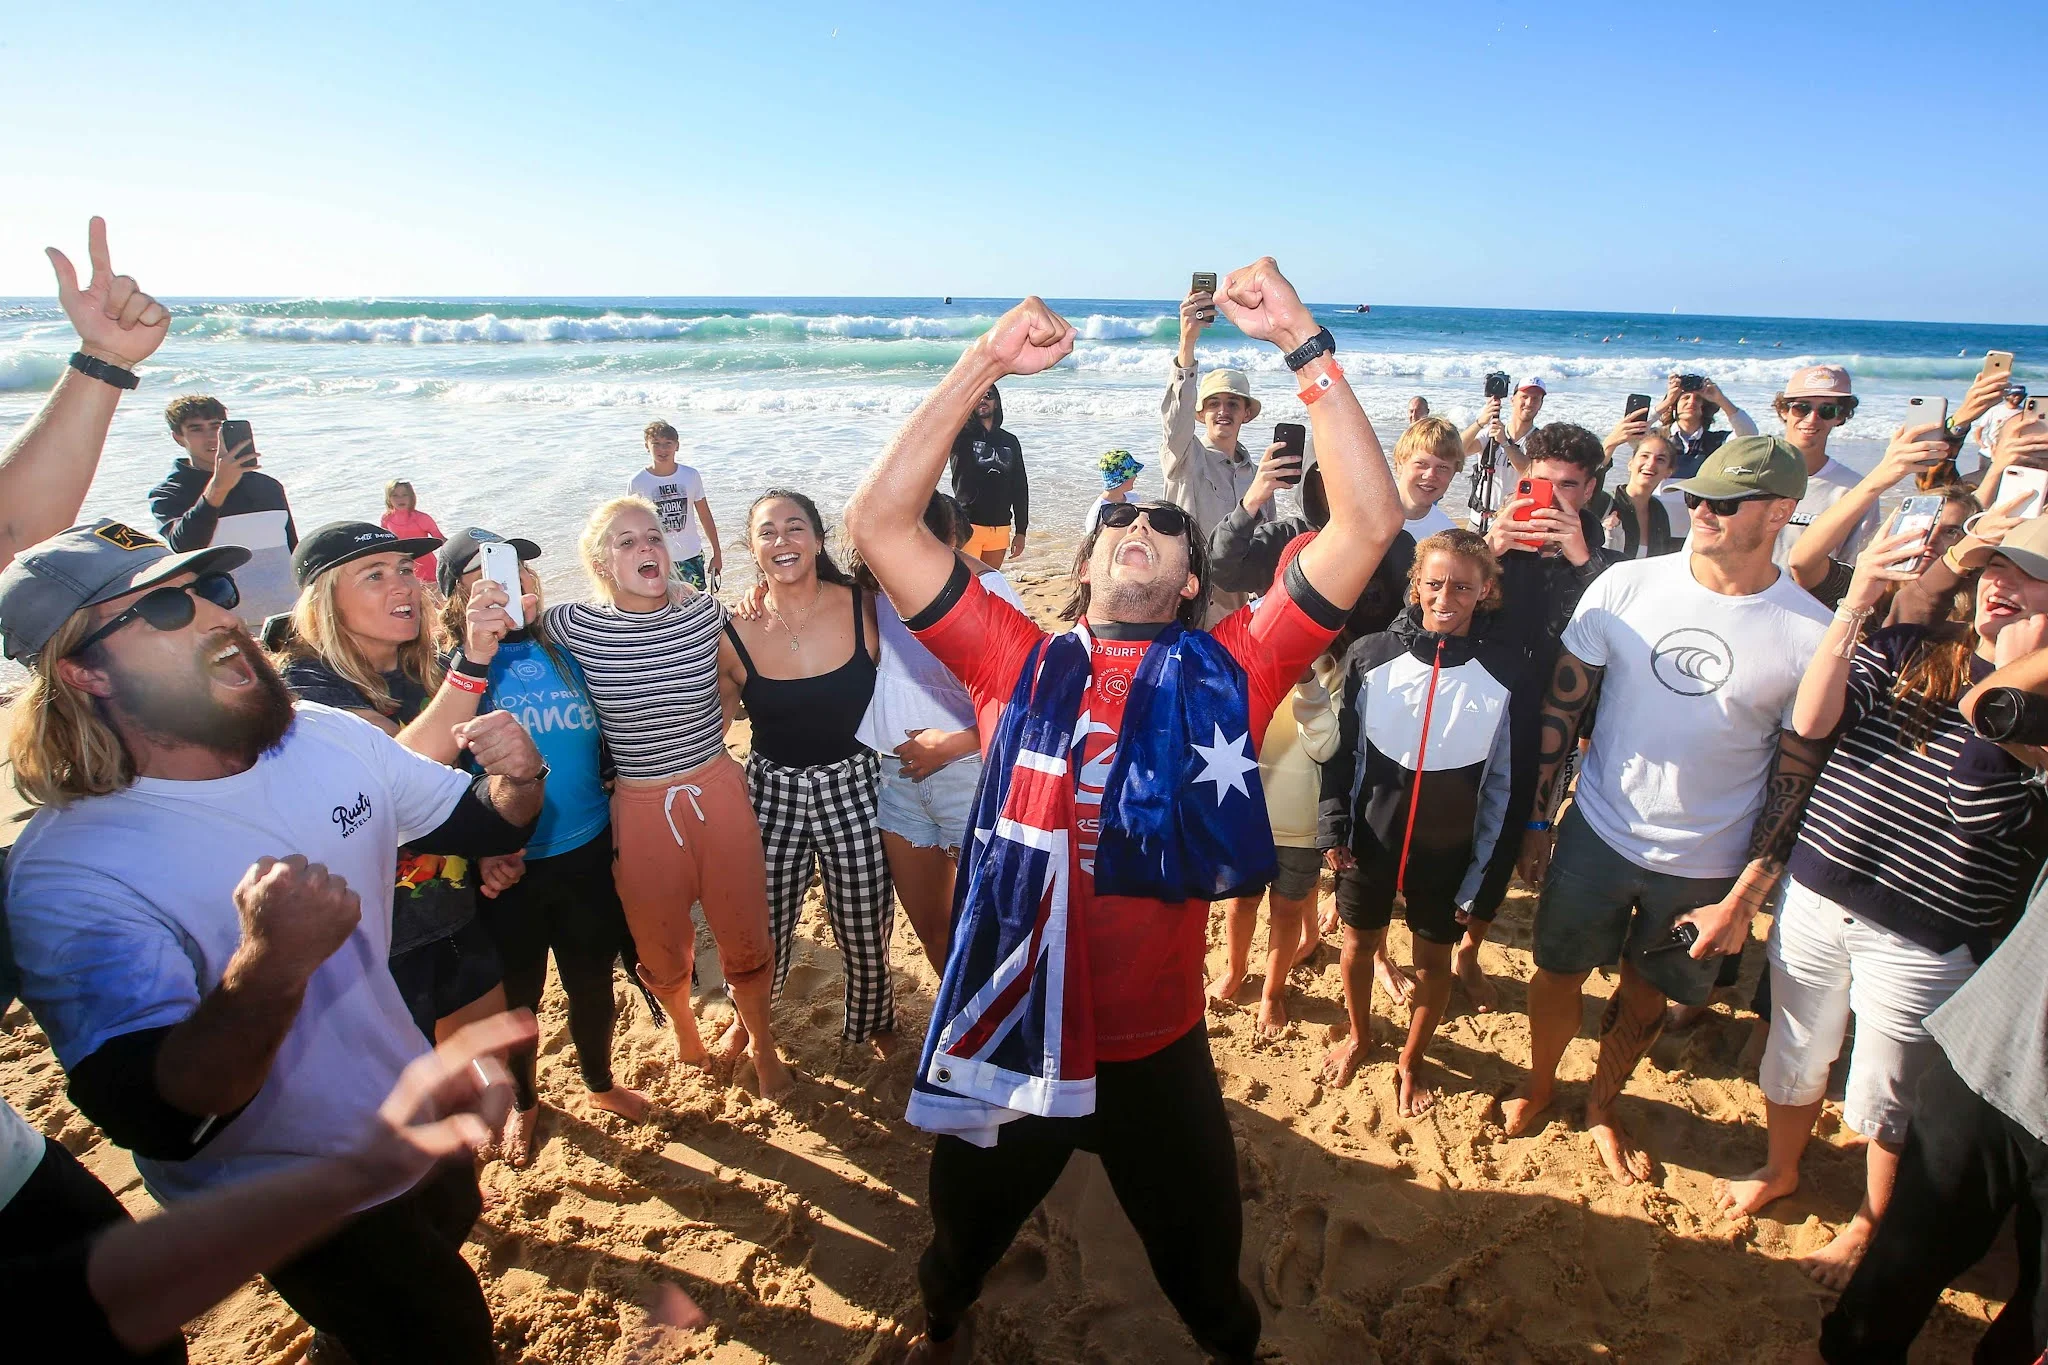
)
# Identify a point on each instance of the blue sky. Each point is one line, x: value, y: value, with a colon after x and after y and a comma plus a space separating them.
x: 1837, y: 160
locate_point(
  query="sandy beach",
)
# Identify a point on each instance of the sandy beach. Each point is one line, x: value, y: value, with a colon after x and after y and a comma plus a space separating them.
x: 1367, y: 1237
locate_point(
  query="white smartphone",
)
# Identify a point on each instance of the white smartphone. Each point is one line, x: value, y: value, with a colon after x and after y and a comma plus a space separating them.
x: 1922, y: 412
x: 1917, y: 516
x: 2023, y: 479
x: 499, y: 563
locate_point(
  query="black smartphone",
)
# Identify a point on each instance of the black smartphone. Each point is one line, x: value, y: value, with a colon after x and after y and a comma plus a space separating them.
x: 1292, y: 438
x: 1204, y: 283
x: 1497, y: 384
x: 234, y: 434
x: 1682, y: 936
x: 1637, y: 402
x: 1691, y: 383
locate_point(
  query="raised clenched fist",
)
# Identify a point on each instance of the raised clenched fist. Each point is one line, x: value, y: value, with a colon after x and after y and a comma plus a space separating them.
x: 1029, y: 338
x: 1260, y: 302
x: 294, y: 915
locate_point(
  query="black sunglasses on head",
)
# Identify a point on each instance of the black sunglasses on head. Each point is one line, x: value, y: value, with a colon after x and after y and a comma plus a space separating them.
x: 170, y: 608
x: 1163, y: 517
x: 1722, y: 507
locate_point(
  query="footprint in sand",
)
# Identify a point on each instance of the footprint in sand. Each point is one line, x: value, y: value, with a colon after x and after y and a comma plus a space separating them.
x: 1294, y: 1261
x: 804, y: 980
x: 1017, y: 1274
x: 1363, y: 1264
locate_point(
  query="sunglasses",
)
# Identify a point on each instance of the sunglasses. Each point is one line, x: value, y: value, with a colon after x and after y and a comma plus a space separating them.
x: 1829, y: 412
x: 1722, y: 507
x: 170, y: 608
x: 1163, y: 517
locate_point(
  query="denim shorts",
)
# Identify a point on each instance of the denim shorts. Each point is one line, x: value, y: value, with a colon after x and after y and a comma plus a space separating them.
x: 932, y: 813
x: 1597, y: 905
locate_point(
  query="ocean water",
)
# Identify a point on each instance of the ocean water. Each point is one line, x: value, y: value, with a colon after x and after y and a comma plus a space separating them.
x: 523, y: 414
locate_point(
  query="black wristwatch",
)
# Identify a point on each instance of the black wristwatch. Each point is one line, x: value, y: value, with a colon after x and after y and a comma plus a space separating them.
x: 1321, y: 344
x: 92, y: 367
x: 2006, y: 715
x: 540, y: 776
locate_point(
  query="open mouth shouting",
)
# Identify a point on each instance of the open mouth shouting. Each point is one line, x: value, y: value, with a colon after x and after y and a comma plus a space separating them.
x: 228, y: 665
x: 1136, y: 552
x: 649, y: 570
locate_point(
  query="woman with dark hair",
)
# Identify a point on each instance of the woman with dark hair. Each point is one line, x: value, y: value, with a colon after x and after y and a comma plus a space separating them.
x: 989, y: 481
x: 806, y: 671
x: 1909, y: 869
x: 361, y: 640
x: 557, y: 895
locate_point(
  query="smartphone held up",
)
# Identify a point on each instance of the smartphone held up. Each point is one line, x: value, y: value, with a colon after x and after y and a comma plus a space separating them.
x: 1292, y: 438
x: 1918, y: 515
x: 498, y: 562
x: 238, y: 435
x: 1204, y: 283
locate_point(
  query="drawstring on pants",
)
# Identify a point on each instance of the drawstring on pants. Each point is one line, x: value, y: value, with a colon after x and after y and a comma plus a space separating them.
x: 668, y: 801
x: 1421, y: 756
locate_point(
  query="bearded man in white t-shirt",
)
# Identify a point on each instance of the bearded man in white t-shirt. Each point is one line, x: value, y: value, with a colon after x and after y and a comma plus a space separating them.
x: 1692, y: 788
x: 200, y: 913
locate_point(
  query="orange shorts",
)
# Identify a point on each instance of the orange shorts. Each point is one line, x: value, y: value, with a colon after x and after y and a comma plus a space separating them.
x: 988, y: 538
x: 694, y: 840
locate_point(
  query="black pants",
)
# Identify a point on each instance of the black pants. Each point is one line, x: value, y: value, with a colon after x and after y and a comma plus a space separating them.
x: 1165, y: 1144
x: 570, y: 904
x: 392, y: 1286
x: 46, y: 1234
x: 1965, y: 1166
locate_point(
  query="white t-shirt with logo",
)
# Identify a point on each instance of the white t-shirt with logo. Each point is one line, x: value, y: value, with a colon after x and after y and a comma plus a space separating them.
x: 1697, y: 687
x: 675, y: 496
x: 1824, y: 490
x: 122, y: 914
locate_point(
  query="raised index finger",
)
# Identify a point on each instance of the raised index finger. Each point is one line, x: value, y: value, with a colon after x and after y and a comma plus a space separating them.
x: 96, y: 249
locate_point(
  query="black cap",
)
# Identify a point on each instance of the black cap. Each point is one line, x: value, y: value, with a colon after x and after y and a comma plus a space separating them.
x: 458, y: 554
x: 340, y: 541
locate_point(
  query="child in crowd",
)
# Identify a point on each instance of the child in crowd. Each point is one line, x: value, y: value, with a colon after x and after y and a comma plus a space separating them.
x: 675, y: 489
x: 403, y: 518
x: 1119, y: 476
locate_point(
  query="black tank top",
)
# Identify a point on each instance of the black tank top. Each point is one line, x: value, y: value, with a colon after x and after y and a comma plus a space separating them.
x: 810, y: 722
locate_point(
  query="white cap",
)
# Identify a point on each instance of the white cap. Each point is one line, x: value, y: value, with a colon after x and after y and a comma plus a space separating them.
x: 1534, y: 381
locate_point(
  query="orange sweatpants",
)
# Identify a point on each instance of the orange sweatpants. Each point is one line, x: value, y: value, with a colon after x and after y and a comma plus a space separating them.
x: 694, y: 840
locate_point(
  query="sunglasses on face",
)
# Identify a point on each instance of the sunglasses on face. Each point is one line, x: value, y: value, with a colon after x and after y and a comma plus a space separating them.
x: 1163, y: 517
x: 1721, y: 507
x: 1829, y: 412
x: 170, y: 608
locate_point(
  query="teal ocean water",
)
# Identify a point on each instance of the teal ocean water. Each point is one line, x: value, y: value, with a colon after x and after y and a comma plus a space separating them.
x: 522, y: 414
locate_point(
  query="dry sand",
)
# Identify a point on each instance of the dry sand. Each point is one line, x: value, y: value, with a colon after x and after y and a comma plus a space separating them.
x: 1367, y: 1238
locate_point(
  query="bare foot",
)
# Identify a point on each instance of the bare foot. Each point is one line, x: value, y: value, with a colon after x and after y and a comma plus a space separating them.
x: 1626, y: 1162
x: 515, y: 1146
x: 1326, y: 920
x: 628, y: 1104
x: 1478, y: 986
x: 730, y: 1047
x: 1416, y: 1098
x: 776, y: 1079
x: 1342, y: 1061
x: 1226, y: 986
x: 1681, y: 1017
x: 1272, y: 1018
x: 1399, y: 986
x: 1834, y: 1263
x: 958, y: 1347
x: 1311, y: 944
x: 884, y: 1044
x: 1522, y: 1111
x: 1752, y: 1192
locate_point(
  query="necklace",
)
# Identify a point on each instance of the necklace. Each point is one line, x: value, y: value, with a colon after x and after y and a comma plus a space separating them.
x: 796, y: 639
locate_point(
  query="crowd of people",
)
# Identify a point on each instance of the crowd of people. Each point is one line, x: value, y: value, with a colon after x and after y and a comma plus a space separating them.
x: 316, y: 810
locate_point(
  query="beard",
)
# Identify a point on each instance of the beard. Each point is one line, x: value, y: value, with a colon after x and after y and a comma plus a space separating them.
x: 185, y: 710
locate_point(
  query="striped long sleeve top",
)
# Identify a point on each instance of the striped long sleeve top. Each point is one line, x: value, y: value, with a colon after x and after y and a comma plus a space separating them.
x: 1928, y: 845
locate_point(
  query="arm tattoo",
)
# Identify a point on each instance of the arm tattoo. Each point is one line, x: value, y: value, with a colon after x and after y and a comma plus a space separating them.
x: 1793, y: 770
x: 1574, y: 688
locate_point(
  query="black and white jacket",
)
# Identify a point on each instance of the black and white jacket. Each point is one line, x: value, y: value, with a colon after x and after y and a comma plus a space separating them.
x: 1465, y: 759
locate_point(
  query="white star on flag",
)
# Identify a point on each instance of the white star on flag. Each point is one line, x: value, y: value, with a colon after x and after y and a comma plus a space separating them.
x: 1226, y: 762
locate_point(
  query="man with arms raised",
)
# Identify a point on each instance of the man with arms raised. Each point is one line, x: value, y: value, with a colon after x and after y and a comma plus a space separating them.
x: 1695, y: 660
x: 1113, y: 739
x: 186, y: 911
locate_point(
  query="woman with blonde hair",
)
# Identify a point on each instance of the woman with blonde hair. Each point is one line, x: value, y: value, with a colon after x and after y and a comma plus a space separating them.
x: 652, y: 654
x: 361, y: 640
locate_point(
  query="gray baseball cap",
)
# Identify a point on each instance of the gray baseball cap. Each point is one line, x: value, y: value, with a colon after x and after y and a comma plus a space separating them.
x: 90, y: 563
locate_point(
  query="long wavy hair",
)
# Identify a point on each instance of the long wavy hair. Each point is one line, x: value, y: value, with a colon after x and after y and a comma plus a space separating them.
x: 828, y: 569
x: 58, y: 737
x: 318, y: 633
x: 1937, y: 673
x: 1191, y: 609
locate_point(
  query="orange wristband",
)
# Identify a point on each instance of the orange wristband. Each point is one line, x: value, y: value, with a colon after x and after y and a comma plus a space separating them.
x: 1320, y: 385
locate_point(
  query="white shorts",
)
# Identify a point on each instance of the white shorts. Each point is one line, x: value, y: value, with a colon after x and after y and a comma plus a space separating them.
x: 1827, y: 963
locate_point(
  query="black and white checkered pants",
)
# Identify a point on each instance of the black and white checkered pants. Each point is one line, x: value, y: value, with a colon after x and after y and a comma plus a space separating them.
x: 827, y: 814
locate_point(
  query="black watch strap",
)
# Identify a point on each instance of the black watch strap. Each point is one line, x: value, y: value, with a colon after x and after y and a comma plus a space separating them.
x: 92, y: 367
x: 1321, y: 344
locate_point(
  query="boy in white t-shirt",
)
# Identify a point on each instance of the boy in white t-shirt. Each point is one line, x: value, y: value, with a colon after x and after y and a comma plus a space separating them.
x: 676, y: 489
x: 1693, y: 785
